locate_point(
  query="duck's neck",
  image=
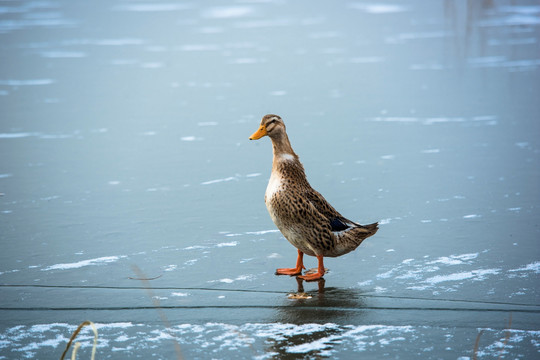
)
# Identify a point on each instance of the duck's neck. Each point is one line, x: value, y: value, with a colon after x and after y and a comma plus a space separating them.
x: 282, y: 146
x: 283, y: 151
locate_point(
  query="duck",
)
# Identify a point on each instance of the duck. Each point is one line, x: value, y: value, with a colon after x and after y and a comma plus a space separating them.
x: 301, y: 213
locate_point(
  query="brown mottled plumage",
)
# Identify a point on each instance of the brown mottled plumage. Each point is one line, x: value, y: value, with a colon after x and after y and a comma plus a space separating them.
x: 303, y: 215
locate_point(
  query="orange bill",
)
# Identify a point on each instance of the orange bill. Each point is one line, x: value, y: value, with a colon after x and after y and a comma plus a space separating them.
x: 259, y: 133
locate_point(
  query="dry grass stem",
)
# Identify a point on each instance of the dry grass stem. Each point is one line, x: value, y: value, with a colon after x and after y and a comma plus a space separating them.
x: 78, y: 345
x: 506, y: 337
x: 141, y: 276
x: 475, y: 352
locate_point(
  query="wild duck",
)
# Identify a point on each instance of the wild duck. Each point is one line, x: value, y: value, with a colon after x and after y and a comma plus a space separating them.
x: 303, y: 215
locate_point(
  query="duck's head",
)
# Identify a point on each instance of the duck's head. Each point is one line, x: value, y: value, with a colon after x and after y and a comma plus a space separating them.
x: 271, y: 125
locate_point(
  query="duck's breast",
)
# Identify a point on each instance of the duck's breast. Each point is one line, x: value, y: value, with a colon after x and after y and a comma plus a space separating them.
x: 275, y: 184
x: 284, y: 214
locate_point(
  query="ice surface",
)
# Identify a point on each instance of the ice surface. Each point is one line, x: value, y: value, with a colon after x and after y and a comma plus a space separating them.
x: 227, y: 12
x: 230, y: 178
x: 29, y: 82
x: 140, y: 340
x: 152, y: 7
x: 124, y: 141
x: 379, y: 8
x: 478, y: 275
x: 534, y: 267
x: 90, y: 262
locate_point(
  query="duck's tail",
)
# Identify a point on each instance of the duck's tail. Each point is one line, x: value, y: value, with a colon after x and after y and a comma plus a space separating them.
x: 350, y: 239
x: 371, y: 228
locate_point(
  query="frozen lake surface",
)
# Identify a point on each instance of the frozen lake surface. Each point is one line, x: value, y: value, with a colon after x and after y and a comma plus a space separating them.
x: 124, y: 139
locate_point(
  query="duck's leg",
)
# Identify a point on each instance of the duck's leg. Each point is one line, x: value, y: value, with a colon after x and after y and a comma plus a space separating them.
x: 293, y: 271
x: 319, y: 274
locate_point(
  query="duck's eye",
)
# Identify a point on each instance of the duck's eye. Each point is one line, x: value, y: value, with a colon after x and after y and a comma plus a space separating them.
x: 272, y: 121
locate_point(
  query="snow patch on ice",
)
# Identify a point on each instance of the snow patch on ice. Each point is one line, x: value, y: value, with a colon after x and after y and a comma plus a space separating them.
x: 83, y: 263
x: 476, y: 275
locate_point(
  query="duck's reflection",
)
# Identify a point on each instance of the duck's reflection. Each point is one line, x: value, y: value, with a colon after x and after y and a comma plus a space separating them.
x: 320, y: 305
x: 313, y: 317
x: 321, y: 282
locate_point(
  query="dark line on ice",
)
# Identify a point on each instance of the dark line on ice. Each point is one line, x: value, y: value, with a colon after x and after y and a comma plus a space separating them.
x: 360, y: 295
x: 196, y: 307
x: 140, y: 288
x: 450, y: 300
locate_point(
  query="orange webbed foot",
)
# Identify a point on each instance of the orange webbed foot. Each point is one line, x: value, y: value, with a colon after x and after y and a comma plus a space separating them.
x: 289, y: 271
x: 293, y: 271
x: 315, y: 276
x: 312, y: 277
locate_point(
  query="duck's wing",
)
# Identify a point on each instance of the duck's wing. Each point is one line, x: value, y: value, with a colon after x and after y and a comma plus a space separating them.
x: 337, y: 221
